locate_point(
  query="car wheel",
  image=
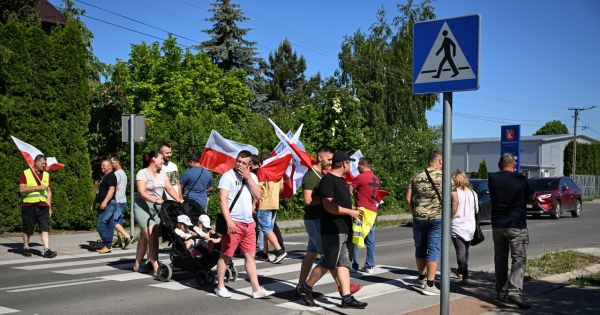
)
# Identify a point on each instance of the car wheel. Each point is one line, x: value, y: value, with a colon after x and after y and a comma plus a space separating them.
x: 577, y: 212
x: 557, y: 210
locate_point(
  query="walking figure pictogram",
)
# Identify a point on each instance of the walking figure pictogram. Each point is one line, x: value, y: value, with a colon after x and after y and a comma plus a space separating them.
x: 446, y: 47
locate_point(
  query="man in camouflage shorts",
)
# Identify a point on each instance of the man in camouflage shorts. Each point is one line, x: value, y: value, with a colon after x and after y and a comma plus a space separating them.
x: 424, y: 203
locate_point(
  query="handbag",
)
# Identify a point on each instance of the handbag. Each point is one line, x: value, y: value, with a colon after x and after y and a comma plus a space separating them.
x: 185, y: 196
x: 478, y: 236
x: 221, y: 223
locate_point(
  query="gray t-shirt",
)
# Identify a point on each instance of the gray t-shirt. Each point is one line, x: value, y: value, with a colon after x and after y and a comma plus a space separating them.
x: 121, y: 186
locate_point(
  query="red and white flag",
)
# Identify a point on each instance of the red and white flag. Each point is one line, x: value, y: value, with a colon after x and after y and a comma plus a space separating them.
x: 275, y: 167
x: 292, y: 179
x: 350, y: 176
x: 29, y: 152
x: 219, y: 153
x: 379, y: 196
x: 299, y: 154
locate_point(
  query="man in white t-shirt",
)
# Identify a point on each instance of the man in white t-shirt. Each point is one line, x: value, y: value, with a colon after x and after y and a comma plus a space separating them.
x: 240, y: 225
x: 170, y: 168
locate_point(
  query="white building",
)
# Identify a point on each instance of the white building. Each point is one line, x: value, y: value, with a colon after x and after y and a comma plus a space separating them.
x: 540, y: 155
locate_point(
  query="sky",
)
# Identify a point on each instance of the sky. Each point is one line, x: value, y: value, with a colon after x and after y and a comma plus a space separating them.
x: 538, y: 58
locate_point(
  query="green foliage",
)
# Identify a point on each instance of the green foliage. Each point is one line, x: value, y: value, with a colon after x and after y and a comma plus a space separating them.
x: 44, y: 95
x: 22, y: 11
x: 554, y: 127
x: 587, y: 159
x: 482, y: 172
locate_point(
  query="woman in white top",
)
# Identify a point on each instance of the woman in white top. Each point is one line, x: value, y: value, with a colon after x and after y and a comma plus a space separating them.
x: 463, y: 224
x: 151, y: 182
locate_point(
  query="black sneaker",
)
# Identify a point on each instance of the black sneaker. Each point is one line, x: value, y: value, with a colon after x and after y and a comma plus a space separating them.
x: 279, y: 256
x: 501, y: 297
x: 353, y: 303
x: 127, y: 242
x: 518, y: 301
x: 49, y: 254
x: 306, y: 295
x: 262, y: 256
x: 26, y: 252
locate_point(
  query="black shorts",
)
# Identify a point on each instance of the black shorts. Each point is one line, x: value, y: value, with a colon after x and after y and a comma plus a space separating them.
x: 337, y: 251
x: 33, y: 214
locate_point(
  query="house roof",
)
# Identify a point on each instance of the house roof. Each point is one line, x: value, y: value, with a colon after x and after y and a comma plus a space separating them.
x: 542, y: 138
x: 48, y: 13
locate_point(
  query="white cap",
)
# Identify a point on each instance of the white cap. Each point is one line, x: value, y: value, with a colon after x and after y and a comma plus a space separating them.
x: 205, y: 221
x: 184, y: 219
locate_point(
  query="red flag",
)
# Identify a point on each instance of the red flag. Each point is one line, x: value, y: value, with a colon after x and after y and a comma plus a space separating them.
x: 219, y: 153
x: 305, y: 158
x: 380, y: 194
x: 274, y: 168
x: 29, y: 152
x: 292, y: 179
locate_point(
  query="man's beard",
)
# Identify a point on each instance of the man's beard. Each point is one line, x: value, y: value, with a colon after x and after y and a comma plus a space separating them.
x: 166, y: 161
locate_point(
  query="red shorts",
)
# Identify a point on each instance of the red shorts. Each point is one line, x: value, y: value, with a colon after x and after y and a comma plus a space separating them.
x: 245, y: 237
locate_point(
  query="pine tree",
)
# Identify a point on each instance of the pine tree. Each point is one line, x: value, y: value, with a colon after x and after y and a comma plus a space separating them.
x: 229, y: 50
x: 482, y: 172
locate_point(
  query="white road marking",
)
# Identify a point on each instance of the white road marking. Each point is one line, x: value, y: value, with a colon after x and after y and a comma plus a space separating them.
x: 6, y: 310
x: 56, y: 285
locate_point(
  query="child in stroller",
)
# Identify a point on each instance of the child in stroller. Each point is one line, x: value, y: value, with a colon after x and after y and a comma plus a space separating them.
x: 208, y: 235
x: 191, y: 243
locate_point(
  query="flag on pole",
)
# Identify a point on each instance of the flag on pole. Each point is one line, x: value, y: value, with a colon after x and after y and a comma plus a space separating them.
x: 350, y: 176
x: 29, y: 152
x: 305, y: 158
x: 219, y: 153
x: 292, y: 179
x: 275, y: 167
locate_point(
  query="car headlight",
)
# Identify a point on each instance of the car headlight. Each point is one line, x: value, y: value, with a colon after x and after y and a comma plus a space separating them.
x: 544, y: 196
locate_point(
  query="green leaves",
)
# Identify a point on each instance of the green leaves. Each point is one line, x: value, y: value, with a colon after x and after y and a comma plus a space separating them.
x: 554, y: 127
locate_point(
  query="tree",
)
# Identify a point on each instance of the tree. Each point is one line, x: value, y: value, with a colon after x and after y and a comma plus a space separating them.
x: 287, y: 86
x: 229, y: 50
x: 554, y: 127
x: 483, y: 171
x: 22, y: 11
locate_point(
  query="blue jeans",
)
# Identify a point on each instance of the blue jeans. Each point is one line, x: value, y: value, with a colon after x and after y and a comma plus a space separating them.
x: 106, y: 223
x: 428, y: 239
x: 313, y: 229
x: 266, y: 220
x: 118, y: 216
x: 370, y: 244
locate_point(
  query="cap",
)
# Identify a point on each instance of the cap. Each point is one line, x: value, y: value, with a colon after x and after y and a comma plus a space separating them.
x: 193, y: 158
x: 205, y: 221
x: 184, y: 219
x: 341, y: 156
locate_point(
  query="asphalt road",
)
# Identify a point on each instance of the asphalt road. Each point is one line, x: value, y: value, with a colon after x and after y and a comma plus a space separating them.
x: 89, y: 283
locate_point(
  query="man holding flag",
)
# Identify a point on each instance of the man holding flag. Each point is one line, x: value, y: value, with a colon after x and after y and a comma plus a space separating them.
x: 37, y: 201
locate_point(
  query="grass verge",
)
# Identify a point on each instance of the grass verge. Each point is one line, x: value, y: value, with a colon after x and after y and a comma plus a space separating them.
x: 557, y: 262
x: 587, y: 281
x: 380, y: 224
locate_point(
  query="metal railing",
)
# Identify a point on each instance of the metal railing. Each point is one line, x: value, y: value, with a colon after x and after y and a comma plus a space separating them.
x: 589, y: 185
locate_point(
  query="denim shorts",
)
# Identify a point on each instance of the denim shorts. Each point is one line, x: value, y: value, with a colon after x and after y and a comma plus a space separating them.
x: 428, y: 239
x: 118, y: 216
x: 266, y: 220
x: 336, y: 251
x: 313, y: 229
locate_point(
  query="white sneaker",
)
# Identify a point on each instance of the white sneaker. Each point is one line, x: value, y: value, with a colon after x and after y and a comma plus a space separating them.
x: 366, y: 269
x: 427, y: 290
x: 262, y: 293
x: 222, y: 292
x: 419, y: 283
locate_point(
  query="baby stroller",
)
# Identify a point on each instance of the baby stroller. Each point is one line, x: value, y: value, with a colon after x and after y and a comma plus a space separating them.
x: 180, y: 257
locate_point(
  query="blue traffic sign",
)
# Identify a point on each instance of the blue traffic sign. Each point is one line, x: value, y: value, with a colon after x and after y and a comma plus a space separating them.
x: 446, y: 55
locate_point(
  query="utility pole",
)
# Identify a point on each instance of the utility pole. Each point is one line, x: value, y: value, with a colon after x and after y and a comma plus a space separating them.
x: 577, y: 110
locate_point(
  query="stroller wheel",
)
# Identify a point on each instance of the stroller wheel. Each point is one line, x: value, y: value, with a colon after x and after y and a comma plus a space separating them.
x: 234, y: 274
x: 164, y: 272
x: 202, y: 278
x: 228, y: 275
x: 211, y: 277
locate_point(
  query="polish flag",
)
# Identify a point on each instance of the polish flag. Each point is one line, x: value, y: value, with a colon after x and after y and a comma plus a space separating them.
x: 219, y: 153
x: 275, y: 167
x: 29, y: 152
x: 305, y: 158
x: 292, y: 179
x: 350, y: 176
x: 379, y: 196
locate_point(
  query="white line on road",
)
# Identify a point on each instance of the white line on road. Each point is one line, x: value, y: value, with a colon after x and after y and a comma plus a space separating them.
x: 46, y: 283
x: 57, y: 285
x: 6, y: 310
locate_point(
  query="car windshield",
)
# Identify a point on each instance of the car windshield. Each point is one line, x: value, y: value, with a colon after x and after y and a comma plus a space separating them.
x: 479, y: 185
x: 544, y: 184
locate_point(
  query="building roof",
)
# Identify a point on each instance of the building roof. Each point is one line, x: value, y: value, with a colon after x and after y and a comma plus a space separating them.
x: 48, y: 13
x: 542, y: 138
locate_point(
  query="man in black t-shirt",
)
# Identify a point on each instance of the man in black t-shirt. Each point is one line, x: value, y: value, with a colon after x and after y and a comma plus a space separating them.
x: 509, y: 193
x: 336, y: 232
x: 105, y: 198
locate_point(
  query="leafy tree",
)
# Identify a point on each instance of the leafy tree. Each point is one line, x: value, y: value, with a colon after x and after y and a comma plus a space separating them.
x: 482, y: 172
x: 20, y: 11
x: 587, y: 159
x: 287, y: 86
x: 44, y: 95
x: 96, y: 68
x: 554, y: 127
x: 229, y: 50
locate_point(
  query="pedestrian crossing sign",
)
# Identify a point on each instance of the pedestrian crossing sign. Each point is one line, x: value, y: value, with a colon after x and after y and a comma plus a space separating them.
x: 446, y: 55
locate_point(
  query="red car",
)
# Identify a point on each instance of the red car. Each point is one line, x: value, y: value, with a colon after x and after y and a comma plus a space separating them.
x: 555, y: 196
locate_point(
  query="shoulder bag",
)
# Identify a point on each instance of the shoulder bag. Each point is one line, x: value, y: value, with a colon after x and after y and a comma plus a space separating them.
x: 185, y: 196
x: 478, y: 236
x: 434, y: 187
x: 221, y: 224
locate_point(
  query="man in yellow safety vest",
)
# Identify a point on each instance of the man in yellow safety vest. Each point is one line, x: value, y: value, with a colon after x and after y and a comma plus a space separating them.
x: 37, y: 200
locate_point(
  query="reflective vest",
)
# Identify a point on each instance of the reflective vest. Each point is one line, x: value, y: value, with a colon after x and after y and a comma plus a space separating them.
x: 362, y: 226
x: 38, y: 195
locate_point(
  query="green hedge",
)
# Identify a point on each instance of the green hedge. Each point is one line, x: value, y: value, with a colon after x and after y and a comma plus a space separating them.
x: 588, y: 159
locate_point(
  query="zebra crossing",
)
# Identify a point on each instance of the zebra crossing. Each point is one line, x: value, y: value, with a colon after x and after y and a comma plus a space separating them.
x: 90, y: 269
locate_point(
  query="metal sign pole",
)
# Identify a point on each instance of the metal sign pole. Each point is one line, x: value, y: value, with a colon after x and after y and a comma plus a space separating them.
x: 446, y: 204
x: 132, y: 170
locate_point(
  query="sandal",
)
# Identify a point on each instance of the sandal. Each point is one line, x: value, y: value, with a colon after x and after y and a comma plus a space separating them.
x: 455, y: 271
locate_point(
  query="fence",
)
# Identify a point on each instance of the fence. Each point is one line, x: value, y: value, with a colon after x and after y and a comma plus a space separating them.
x: 589, y: 185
